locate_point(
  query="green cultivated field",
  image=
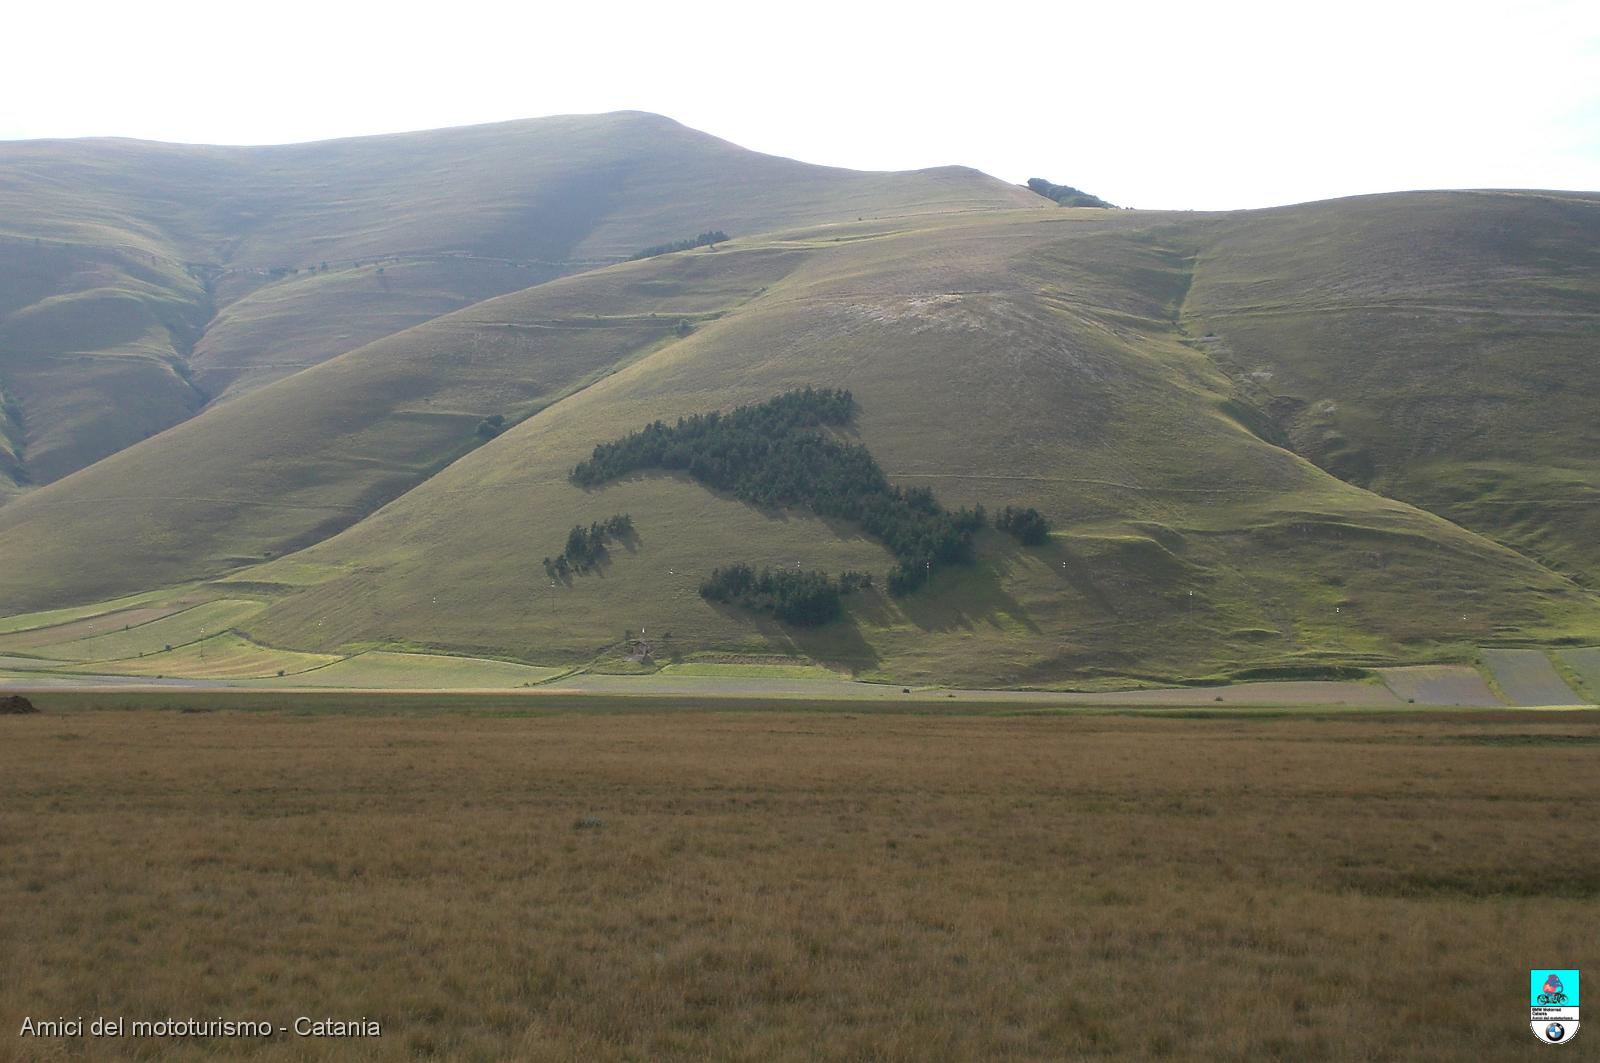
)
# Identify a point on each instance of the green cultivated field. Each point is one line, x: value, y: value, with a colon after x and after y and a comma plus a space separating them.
x: 225, y: 656
x: 71, y: 625
x: 37, y: 621
x: 417, y: 671
x: 178, y: 629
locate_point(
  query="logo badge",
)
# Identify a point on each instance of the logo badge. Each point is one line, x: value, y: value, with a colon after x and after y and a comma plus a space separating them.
x: 1553, y: 1003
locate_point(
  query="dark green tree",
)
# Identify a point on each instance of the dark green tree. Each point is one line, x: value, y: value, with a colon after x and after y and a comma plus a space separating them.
x: 1027, y: 525
x: 1065, y: 195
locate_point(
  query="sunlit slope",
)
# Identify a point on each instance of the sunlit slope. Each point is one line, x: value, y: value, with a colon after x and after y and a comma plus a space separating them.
x: 1436, y: 347
x: 141, y: 281
x: 294, y: 461
x: 1015, y: 359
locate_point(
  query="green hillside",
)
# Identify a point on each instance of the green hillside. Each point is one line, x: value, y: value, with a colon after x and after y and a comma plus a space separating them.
x: 92, y: 342
x: 1435, y: 347
x: 1274, y: 443
x: 301, y: 458
x: 140, y: 282
x: 999, y: 360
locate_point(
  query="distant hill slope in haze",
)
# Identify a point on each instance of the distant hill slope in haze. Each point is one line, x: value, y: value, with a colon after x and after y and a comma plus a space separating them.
x: 139, y: 282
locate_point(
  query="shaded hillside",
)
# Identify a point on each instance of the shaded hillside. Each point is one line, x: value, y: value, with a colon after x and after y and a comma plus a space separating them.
x: 140, y: 281
x: 92, y: 348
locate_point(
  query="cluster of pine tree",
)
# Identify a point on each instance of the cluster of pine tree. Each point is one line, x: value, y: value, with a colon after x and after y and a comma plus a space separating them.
x: 802, y: 598
x: 1066, y: 195
x: 586, y: 547
x: 710, y: 239
x: 771, y: 455
x: 1026, y: 524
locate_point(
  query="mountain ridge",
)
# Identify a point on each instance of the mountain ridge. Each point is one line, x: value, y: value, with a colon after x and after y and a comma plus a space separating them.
x: 179, y: 274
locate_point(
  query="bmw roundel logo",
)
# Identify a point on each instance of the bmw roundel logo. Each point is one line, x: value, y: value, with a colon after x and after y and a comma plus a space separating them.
x: 1555, y: 1031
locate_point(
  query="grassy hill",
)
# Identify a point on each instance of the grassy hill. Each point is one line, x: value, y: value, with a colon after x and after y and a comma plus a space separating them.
x: 312, y: 453
x: 139, y: 282
x: 1000, y: 359
x: 1270, y: 443
x: 92, y: 340
x: 1433, y: 347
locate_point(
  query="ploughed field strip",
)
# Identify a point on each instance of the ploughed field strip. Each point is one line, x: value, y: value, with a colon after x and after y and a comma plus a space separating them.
x: 1528, y: 678
x: 225, y: 656
x: 157, y: 636
x: 1440, y: 684
x: 30, y: 638
x: 1584, y: 664
x: 30, y: 663
x: 58, y: 617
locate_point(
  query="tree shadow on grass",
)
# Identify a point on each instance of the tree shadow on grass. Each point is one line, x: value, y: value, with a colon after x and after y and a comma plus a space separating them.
x: 838, y: 644
x: 631, y: 542
x: 1075, y: 570
x: 963, y: 597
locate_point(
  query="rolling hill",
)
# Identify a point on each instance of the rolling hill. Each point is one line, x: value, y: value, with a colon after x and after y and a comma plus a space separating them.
x: 141, y: 282
x: 1433, y: 347
x: 1274, y: 442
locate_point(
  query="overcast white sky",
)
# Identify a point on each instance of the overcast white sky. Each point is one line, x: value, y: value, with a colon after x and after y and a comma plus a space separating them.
x: 1208, y: 105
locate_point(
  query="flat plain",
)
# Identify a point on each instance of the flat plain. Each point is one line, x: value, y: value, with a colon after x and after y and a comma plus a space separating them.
x: 610, y: 879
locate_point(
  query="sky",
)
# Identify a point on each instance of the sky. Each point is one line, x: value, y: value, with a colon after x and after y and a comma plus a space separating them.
x: 1214, y: 105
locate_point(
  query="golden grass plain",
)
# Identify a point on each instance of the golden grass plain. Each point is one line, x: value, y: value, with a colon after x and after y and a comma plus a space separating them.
x: 773, y: 885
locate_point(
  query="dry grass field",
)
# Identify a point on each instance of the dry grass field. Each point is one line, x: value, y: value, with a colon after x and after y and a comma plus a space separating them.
x: 775, y: 885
